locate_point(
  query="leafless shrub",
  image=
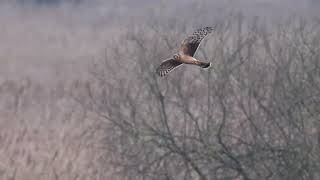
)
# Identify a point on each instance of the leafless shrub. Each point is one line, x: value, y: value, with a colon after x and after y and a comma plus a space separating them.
x: 253, y: 116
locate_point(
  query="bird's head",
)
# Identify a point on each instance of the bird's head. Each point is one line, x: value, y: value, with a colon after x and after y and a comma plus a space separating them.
x: 176, y: 56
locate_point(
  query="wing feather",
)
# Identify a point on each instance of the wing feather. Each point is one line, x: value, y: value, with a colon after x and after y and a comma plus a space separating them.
x: 190, y: 45
x: 167, y: 66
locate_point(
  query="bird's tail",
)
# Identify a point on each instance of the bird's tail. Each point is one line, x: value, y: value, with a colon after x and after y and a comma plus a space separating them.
x: 205, y: 64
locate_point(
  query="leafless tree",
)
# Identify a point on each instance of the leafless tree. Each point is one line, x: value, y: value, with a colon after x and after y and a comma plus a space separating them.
x: 254, y: 115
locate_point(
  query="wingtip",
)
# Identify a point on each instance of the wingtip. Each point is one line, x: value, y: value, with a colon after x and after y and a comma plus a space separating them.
x: 206, y: 65
x: 160, y: 73
x: 209, y: 28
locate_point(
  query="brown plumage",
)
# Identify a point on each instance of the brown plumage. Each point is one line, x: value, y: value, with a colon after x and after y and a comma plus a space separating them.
x: 186, y: 52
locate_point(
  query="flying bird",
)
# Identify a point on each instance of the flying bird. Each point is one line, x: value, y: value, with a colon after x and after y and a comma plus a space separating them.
x: 185, y: 55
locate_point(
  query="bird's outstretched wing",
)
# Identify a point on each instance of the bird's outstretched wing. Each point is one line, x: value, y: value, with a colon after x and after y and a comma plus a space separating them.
x: 190, y: 45
x: 167, y: 66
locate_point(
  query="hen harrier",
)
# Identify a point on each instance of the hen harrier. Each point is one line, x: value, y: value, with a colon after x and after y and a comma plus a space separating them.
x: 185, y: 55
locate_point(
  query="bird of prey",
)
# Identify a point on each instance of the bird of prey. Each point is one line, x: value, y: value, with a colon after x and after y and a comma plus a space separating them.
x: 185, y: 55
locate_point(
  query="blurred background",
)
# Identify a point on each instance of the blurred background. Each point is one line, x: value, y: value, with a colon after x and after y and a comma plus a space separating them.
x: 79, y: 98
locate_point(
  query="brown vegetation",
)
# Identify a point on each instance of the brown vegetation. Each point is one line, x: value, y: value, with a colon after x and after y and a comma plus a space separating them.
x: 79, y: 98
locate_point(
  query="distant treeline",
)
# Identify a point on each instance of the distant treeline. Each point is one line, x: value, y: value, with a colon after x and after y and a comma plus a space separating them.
x: 55, y: 2
x: 50, y: 1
